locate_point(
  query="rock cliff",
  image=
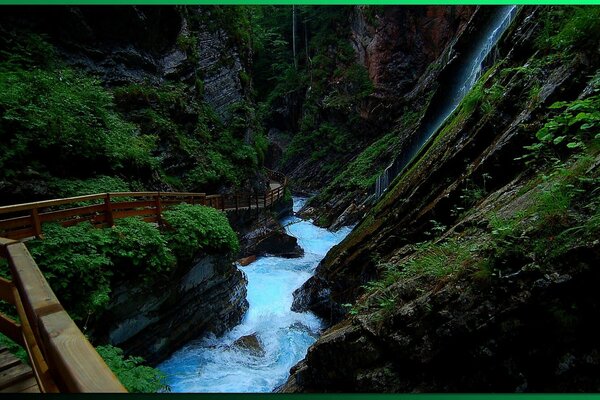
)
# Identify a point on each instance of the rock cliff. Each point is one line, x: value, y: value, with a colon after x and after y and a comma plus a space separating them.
x: 470, y: 274
x: 208, y: 297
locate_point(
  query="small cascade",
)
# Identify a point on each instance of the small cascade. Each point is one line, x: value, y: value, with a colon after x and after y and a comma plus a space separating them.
x: 474, y: 63
x: 256, y: 355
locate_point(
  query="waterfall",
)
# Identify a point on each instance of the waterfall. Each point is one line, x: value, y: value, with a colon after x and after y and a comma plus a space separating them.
x: 474, y: 63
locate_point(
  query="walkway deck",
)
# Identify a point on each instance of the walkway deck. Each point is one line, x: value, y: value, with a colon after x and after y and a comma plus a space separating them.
x: 15, y: 376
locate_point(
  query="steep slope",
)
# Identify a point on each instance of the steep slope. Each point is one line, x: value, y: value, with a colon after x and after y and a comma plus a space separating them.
x: 357, y: 73
x: 474, y: 271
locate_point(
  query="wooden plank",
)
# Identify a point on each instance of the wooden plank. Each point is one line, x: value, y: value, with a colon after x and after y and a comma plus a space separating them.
x: 132, y: 204
x: 75, y: 221
x: 71, y: 212
x: 35, y: 221
x: 17, y: 222
x: 11, y: 329
x: 151, y: 219
x: 18, y: 234
x: 5, y: 241
x: 76, y: 361
x: 6, y: 291
x: 36, y: 359
x: 134, y: 213
x: 28, y: 385
x: 33, y: 289
x: 8, y: 360
x: 48, y: 203
x: 14, y: 375
x: 132, y: 194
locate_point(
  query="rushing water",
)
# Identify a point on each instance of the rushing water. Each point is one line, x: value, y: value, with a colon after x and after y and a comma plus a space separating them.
x: 473, y: 63
x: 212, y: 364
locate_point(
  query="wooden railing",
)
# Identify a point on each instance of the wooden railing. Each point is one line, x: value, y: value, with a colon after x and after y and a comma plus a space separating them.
x: 61, y: 357
x: 25, y: 220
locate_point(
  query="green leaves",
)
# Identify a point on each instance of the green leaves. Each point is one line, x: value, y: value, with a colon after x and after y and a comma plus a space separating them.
x: 136, y: 377
x: 198, y: 229
x: 82, y: 263
x: 575, y: 127
x: 65, y: 121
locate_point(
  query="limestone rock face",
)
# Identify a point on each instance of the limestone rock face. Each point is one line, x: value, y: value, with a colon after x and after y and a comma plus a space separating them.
x: 462, y: 332
x: 210, y: 297
x: 404, y: 49
x: 399, y: 43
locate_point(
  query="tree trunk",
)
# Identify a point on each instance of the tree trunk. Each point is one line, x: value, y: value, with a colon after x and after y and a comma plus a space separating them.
x: 294, y: 35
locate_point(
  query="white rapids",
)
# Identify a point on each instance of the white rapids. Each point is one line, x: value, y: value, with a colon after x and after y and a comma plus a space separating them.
x: 211, y: 364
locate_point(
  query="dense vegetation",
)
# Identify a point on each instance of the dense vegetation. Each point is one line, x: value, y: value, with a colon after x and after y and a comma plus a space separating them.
x: 322, y: 85
x: 63, y: 129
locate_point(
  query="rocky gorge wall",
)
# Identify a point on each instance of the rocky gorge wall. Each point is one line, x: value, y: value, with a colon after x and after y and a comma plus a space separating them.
x: 207, y: 297
x: 454, y: 281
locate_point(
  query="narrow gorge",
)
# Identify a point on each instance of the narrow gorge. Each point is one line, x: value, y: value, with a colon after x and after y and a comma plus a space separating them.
x: 305, y: 198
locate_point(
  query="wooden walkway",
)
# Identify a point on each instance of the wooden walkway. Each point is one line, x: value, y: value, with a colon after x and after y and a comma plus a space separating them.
x: 25, y: 220
x: 15, y: 376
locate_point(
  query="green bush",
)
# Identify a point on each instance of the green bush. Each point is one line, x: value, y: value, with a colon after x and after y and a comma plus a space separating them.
x: 139, y: 249
x: 77, y: 265
x: 63, y: 121
x: 136, y: 377
x: 568, y: 28
x: 82, y: 187
x: 198, y: 228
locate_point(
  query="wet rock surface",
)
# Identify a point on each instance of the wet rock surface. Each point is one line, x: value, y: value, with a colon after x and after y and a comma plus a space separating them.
x: 210, y: 297
x: 250, y: 343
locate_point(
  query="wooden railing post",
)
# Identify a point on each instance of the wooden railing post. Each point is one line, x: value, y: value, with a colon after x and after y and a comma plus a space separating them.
x: 158, y: 209
x: 236, y: 202
x: 222, y: 198
x: 108, y: 211
x: 37, y: 226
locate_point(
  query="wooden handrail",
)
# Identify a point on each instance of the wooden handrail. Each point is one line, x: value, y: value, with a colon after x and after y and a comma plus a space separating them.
x: 24, y: 220
x: 62, y: 358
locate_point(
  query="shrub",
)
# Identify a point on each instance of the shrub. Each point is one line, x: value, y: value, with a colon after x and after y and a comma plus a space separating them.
x: 196, y: 228
x: 63, y: 121
x: 136, y: 377
x: 139, y: 249
x: 76, y: 264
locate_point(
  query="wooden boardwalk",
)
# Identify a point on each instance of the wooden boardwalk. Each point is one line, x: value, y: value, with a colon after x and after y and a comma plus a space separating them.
x: 21, y: 221
x: 15, y: 376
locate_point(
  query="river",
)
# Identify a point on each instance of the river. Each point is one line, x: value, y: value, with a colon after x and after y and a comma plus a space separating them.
x: 212, y: 364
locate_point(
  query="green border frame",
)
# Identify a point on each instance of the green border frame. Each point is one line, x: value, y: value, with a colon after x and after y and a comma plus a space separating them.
x: 289, y: 2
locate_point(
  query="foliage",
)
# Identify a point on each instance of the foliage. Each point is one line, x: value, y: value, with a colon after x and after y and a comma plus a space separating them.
x: 441, y: 259
x: 360, y: 173
x: 82, y: 187
x: 569, y: 28
x: 81, y: 262
x: 138, y: 249
x: 136, y: 377
x: 63, y: 122
x: 352, y: 85
x: 198, y: 228
x: 76, y: 263
x: 575, y: 127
